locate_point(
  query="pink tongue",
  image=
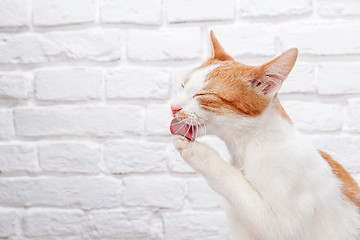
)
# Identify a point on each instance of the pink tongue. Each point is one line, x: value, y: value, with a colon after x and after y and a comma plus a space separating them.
x: 179, y: 128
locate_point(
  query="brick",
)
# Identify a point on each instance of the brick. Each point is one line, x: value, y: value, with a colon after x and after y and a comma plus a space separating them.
x: 26, y: 48
x: 14, y: 13
x: 154, y: 191
x: 74, y: 157
x: 353, y: 115
x: 6, y: 125
x: 61, y: 12
x: 344, y: 149
x: 274, y: 8
x: 194, y: 10
x: 18, y: 158
x: 97, y: 121
x: 300, y: 80
x: 128, y: 11
x: 195, y: 225
x: 201, y: 195
x: 21, y: 48
x: 338, y: 78
x: 126, y: 156
x: 138, y: 83
x: 338, y: 8
x: 322, y: 38
x: 158, y: 118
x: 52, y: 222
x: 133, y: 224
x: 315, y: 116
x: 164, y: 44
x: 7, y: 223
x: 14, y: 86
x: 71, y: 192
x: 68, y: 84
x: 247, y: 39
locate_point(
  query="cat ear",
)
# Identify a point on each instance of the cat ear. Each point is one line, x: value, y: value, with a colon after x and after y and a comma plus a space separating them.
x: 271, y: 75
x: 218, y: 51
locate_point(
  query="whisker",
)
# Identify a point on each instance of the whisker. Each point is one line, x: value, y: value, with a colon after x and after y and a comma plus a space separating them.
x: 179, y: 129
x: 182, y: 121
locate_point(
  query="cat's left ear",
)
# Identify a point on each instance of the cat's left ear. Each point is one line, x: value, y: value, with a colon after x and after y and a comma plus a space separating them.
x: 271, y: 75
x: 218, y: 51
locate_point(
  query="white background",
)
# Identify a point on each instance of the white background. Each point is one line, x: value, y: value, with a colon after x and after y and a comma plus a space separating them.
x: 85, y: 86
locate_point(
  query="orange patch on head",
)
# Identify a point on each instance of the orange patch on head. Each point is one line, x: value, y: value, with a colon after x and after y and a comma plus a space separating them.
x: 349, y: 187
x: 229, y: 88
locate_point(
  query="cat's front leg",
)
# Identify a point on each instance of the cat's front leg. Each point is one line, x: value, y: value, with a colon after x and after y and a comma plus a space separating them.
x: 194, y: 153
x: 206, y: 161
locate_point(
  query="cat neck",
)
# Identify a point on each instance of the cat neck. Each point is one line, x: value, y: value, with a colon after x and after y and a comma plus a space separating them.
x: 260, y: 133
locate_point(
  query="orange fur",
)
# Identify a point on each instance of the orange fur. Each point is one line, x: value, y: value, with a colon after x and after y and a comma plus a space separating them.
x: 229, y: 88
x: 349, y: 187
x: 281, y: 110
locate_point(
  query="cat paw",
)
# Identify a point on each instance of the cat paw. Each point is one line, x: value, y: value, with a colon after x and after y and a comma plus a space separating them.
x: 181, y: 143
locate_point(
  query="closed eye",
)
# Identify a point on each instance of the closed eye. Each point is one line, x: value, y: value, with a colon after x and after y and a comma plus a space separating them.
x: 202, y: 94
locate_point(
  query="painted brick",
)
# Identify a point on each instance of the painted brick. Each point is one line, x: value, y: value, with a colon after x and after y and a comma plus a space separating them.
x: 78, y: 121
x: 129, y: 11
x: 300, y: 80
x: 70, y: 192
x: 344, y: 149
x: 97, y: 45
x: 309, y: 38
x: 338, y: 8
x: 195, y: 225
x: 14, y: 86
x: 353, y: 115
x: 14, y: 13
x: 201, y: 195
x: 165, y: 44
x: 7, y: 223
x: 17, y: 158
x: 74, y: 157
x: 338, y: 78
x: 315, y: 116
x: 194, y: 10
x: 48, y: 223
x: 125, y: 224
x: 6, y: 125
x: 141, y: 191
x: 158, y: 118
x: 137, y: 83
x: 274, y: 8
x: 68, y: 84
x: 60, y: 12
x: 247, y: 39
x: 126, y: 156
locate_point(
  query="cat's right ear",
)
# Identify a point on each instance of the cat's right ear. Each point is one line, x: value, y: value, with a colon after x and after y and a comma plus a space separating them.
x: 218, y: 51
x: 272, y: 74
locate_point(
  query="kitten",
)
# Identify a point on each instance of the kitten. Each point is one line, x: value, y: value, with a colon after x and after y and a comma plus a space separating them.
x: 278, y: 186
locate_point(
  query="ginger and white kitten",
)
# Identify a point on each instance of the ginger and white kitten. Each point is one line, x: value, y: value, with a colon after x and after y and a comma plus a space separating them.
x: 278, y: 186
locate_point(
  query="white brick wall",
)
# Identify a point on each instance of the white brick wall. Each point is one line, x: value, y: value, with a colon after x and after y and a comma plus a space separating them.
x: 85, y: 85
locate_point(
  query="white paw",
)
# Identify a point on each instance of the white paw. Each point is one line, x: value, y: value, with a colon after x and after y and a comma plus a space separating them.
x: 181, y: 143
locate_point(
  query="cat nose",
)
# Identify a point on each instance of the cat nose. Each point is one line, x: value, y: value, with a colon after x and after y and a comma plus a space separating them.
x: 174, y: 109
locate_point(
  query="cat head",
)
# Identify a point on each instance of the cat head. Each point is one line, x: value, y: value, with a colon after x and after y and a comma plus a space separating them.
x: 222, y: 90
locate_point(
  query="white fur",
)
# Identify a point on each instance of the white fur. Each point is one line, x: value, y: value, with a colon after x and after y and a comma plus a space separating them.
x: 277, y: 187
